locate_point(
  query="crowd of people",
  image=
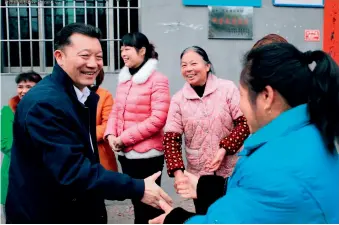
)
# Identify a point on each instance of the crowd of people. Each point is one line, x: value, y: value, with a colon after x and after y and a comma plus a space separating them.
x: 260, y: 152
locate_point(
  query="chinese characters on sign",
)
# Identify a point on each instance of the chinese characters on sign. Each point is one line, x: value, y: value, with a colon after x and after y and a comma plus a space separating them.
x: 312, y: 35
x: 230, y: 22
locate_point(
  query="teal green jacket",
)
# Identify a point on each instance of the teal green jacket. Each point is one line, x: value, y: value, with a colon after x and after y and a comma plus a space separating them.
x: 7, y: 118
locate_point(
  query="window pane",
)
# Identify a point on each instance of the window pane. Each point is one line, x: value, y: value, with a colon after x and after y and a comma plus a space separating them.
x: 90, y: 2
x: 121, y: 3
x: 69, y: 12
x: 90, y: 15
x: 79, y: 3
x: 49, y: 53
x: 48, y: 23
x: 25, y: 53
x: 102, y: 2
x: 123, y: 25
x: 4, y: 53
x: 36, y: 56
x: 104, y: 50
x: 12, y: 12
x: 117, y: 57
x: 13, y: 23
x: 4, y: 28
x: 14, y: 49
x: 133, y: 3
x: 69, y: 2
x: 134, y: 20
x: 80, y: 14
x: 35, y: 24
x: 58, y: 20
x: 115, y: 21
x: 102, y: 24
x: 58, y: 2
x: 24, y: 24
x: 23, y: 12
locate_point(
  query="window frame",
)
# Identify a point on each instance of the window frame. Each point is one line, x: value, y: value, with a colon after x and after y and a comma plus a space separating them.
x: 112, y: 39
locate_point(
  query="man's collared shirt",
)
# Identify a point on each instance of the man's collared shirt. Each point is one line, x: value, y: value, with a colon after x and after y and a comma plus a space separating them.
x: 82, y: 95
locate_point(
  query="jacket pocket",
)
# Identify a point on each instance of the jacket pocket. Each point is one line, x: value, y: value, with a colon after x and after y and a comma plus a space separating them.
x: 192, y: 153
x: 193, y: 160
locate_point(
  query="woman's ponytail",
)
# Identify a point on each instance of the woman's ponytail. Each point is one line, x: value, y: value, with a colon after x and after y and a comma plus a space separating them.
x: 152, y: 53
x: 323, y: 105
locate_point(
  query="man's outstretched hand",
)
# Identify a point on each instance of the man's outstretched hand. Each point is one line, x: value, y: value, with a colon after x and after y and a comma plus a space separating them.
x: 153, y: 194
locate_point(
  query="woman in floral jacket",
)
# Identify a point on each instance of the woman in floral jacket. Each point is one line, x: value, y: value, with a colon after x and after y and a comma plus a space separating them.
x: 206, y: 110
x: 291, y: 112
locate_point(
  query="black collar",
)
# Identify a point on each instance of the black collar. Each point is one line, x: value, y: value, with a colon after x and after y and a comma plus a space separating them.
x: 133, y: 71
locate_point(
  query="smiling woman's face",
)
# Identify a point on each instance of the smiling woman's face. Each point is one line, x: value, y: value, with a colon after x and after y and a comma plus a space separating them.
x: 23, y: 87
x: 194, y: 69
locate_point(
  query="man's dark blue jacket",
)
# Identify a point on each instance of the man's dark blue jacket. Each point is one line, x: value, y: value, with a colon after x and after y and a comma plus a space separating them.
x: 55, y: 177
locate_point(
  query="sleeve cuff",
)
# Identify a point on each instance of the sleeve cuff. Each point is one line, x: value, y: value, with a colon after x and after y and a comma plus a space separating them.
x: 125, y: 139
x: 106, y: 137
x: 178, y: 216
x: 171, y: 173
x: 139, y: 189
x: 209, y: 189
x: 234, y: 141
x: 107, y: 133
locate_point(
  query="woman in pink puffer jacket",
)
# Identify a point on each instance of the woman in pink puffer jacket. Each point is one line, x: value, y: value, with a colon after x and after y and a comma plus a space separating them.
x: 135, y: 125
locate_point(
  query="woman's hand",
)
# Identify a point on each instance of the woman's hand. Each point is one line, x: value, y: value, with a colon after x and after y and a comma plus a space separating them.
x: 112, y: 141
x: 178, y: 175
x: 118, y: 143
x: 216, y: 162
x: 186, y: 186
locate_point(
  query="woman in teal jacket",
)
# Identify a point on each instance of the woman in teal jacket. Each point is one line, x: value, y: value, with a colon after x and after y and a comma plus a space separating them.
x: 288, y: 171
x: 24, y: 81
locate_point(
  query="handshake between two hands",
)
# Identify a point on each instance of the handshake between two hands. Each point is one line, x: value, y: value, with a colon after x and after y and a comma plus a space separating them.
x: 185, y: 185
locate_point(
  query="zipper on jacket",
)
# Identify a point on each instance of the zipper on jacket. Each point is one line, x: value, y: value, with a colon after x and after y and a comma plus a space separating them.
x: 89, y: 128
x: 124, y: 107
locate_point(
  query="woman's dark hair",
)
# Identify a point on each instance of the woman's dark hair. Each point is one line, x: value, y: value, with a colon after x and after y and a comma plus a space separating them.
x: 28, y: 76
x: 202, y: 53
x: 139, y: 40
x: 62, y: 38
x: 283, y: 67
x: 98, y: 81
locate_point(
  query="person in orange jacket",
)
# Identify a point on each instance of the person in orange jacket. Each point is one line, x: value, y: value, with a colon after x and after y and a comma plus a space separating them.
x: 105, y: 104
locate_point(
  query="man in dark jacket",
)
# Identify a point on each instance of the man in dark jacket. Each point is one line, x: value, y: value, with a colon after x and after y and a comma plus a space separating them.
x: 55, y: 175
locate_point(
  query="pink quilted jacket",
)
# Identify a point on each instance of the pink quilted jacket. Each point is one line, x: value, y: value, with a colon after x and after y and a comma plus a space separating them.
x: 204, y: 122
x: 140, y: 109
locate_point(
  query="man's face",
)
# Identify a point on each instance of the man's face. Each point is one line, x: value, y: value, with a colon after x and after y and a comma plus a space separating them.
x: 81, y: 59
